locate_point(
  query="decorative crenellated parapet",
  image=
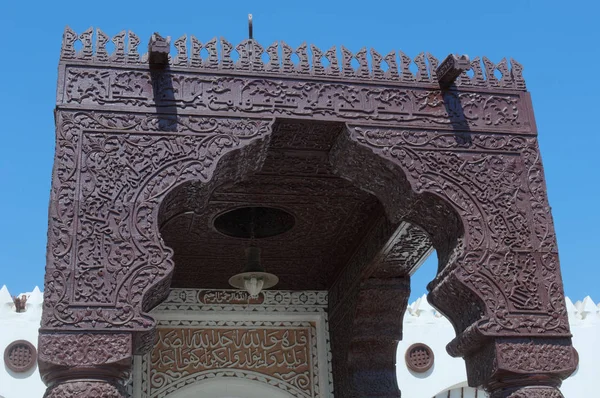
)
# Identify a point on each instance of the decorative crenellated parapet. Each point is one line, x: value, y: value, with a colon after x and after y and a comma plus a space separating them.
x: 584, y: 311
x: 26, y: 304
x: 372, y: 66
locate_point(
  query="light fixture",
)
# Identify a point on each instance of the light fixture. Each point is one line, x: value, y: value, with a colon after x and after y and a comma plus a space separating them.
x: 254, y: 223
x: 253, y: 278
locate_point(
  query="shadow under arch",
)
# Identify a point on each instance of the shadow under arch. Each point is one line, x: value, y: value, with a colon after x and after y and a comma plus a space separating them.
x: 227, y: 156
x: 402, y: 188
x: 391, y: 183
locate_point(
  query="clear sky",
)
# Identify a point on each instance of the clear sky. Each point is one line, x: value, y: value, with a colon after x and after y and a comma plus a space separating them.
x: 557, y: 42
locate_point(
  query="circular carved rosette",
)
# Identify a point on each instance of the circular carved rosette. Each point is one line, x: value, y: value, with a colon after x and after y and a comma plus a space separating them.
x: 20, y: 356
x: 419, y: 358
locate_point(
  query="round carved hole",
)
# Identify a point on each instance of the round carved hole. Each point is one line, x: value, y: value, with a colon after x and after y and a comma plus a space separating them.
x: 254, y: 222
x: 20, y: 356
x: 419, y: 358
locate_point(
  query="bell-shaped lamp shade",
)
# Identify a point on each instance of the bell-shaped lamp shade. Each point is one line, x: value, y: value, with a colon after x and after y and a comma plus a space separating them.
x: 254, y: 278
x: 253, y: 285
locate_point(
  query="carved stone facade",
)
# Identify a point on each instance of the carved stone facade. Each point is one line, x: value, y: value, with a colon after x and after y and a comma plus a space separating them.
x: 460, y: 166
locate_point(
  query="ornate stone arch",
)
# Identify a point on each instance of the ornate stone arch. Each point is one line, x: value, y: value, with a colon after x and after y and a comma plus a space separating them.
x: 461, y: 162
x: 133, y: 270
x: 497, y: 273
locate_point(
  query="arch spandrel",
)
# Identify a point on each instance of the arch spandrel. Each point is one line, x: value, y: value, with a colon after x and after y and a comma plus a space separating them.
x: 113, y: 238
x: 500, y: 278
x: 495, y: 186
x: 463, y: 164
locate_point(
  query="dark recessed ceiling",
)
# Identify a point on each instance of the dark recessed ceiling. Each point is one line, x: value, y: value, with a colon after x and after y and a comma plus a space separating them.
x: 331, y: 217
x: 254, y: 222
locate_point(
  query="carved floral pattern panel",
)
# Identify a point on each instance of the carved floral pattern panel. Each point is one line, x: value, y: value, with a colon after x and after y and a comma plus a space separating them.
x: 508, y: 254
x: 111, y: 172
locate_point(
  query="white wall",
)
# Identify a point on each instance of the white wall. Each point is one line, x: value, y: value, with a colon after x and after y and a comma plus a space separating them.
x: 20, y: 326
x: 584, y: 318
x: 229, y: 388
x: 423, y: 325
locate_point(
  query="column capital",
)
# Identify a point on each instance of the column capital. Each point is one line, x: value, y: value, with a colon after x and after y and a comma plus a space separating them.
x: 76, y: 364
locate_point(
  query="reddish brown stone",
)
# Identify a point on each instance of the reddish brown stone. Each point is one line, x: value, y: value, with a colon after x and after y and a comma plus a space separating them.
x: 138, y: 149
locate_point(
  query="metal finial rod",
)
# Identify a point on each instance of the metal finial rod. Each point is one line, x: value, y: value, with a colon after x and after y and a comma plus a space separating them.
x: 250, y: 27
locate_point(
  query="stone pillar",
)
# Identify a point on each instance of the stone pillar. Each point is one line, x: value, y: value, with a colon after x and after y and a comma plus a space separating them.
x: 482, y: 199
x: 94, y: 365
x: 366, y: 309
x: 377, y: 328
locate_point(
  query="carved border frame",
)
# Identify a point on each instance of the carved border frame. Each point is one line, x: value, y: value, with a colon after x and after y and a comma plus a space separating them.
x: 280, y: 309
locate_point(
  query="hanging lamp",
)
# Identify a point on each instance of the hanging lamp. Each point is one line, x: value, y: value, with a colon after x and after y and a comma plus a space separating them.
x: 253, y: 278
x: 254, y: 223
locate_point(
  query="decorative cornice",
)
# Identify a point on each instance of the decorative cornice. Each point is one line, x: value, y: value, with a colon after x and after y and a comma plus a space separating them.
x: 372, y: 66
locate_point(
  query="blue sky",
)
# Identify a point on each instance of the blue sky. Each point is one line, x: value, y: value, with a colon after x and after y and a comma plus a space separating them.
x: 557, y: 42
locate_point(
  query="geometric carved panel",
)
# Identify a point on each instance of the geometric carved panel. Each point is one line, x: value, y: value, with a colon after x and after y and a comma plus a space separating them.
x: 419, y: 358
x: 20, y: 356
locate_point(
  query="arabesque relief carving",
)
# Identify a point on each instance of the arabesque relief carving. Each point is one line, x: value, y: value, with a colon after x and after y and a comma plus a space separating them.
x: 85, y: 389
x: 460, y: 165
x: 496, y: 186
x: 266, y: 96
x: 107, y: 224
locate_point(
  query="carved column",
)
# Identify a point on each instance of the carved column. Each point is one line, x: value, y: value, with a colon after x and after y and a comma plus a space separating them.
x: 528, y: 392
x: 376, y: 330
x: 499, y: 279
x: 365, y: 331
x: 367, y: 305
x: 85, y: 365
